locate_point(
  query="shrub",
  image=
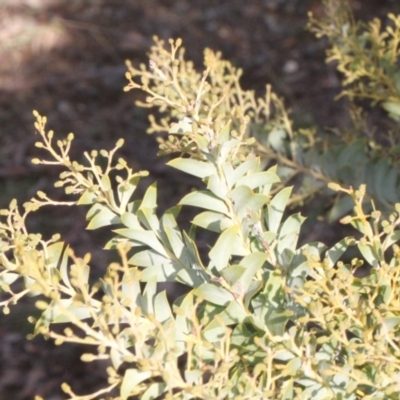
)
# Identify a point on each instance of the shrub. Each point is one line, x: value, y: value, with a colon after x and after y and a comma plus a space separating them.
x: 262, y: 317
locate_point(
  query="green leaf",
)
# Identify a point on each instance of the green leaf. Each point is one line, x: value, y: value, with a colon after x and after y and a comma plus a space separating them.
x: 100, y: 215
x: 233, y: 273
x: 105, y: 183
x: 392, y: 107
x: 147, y: 299
x: 240, y: 276
x: 88, y: 197
x: 277, y: 139
x: 63, y: 310
x: 214, y: 294
x: 233, y: 175
x: 269, y: 306
x: 154, y: 390
x: 224, y: 134
x: 184, y: 315
x: 340, y: 382
x: 246, y: 202
x: 130, y: 220
x: 150, y: 198
x: 148, y: 218
x: 334, y: 253
x: 192, y: 376
x: 216, y: 186
x: 252, y: 290
x: 391, y: 322
x: 161, y: 273
x: 131, y: 379
x: 369, y: 254
x: 233, y: 314
x: 143, y: 237
x: 289, y: 233
x: 287, y: 390
x: 182, y: 127
x: 276, y: 208
x: 292, y: 367
x: 130, y: 287
x: 389, y: 185
x: 212, y: 221
x: 126, y: 190
x: 352, y: 156
x: 224, y: 247
x: 116, y: 358
x: 225, y: 150
x: 58, y: 258
x: 8, y: 278
x: 252, y: 264
x: 284, y: 355
x: 205, y: 200
x: 195, y: 271
x: 169, y: 217
x: 202, y: 142
x: 258, y: 179
x: 243, y: 340
x: 391, y: 239
x: 148, y: 258
x: 197, y: 168
x: 175, y: 241
x: 187, y: 268
x: 162, y: 309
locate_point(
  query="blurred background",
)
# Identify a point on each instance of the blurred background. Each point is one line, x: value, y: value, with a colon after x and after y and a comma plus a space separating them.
x: 65, y: 58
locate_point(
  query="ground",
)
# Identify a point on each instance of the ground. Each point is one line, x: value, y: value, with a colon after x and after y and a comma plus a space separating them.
x: 66, y: 59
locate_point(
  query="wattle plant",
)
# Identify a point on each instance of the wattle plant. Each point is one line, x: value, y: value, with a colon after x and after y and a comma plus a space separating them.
x: 261, y: 317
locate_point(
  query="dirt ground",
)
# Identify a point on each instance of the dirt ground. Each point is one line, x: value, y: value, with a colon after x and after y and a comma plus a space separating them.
x: 65, y: 58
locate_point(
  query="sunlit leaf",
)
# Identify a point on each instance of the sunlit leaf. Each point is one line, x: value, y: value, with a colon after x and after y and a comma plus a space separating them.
x: 276, y: 208
x: 148, y: 258
x: 212, y: 221
x: 205, y: 200
x: 131, y: 379
x: 214, y: 294
x: 258, y: 179
x: 150, y: 198
x: 175, y: 241
x: 224, y: 247
x: 130, y: 220
x: 147, y: 238
x: 162, y: 309
x: 154, y: 390
x: 126, y: 190
x: 196, y: 168
x: 289, y: 233
x: 233, y: 175
x: 216, y: 186
x: 246, y: 201
x: 88, y: 197
x: 334, y: 253
x: 100, y: 215
x: 369, y: 254
x: 182, y: 127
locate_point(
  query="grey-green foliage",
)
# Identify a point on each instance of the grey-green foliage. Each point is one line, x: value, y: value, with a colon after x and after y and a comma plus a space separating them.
x: 262, y: 317
x: 274, y: 299
x: 367, y: 56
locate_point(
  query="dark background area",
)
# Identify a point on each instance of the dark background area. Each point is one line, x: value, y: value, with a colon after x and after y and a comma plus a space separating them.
x: 65, y: 58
